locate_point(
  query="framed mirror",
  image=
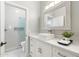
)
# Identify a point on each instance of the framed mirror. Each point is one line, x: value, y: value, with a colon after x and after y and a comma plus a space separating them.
x: 58, y: 21
x: 54, y: 22
x: 58, y: 18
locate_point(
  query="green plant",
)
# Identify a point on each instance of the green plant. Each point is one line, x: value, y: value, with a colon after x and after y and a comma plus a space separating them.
x: 67, y: 34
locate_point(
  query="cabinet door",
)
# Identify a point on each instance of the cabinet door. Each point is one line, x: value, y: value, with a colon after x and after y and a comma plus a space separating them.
x: 59, y: 52
x: 33, y: 45
x: 39, y: 48
x: 44, y: 49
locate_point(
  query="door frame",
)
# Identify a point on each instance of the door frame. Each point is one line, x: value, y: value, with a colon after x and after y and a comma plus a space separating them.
x: 3, y: 3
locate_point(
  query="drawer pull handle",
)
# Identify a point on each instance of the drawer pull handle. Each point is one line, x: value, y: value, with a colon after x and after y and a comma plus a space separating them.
x: 40, y: 50
x: 30, y: 55
x: 61, y: 54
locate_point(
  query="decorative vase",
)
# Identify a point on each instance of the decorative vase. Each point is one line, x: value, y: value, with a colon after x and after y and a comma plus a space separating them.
x: 67, y: 39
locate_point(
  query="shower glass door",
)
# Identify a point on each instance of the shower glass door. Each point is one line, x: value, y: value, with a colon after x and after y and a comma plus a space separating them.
x: 15, y: 25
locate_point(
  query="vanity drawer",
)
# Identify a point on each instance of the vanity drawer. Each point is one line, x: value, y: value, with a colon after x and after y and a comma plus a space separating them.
x: 39, y: 48
x: 45, y: 50
x: 59, y: 52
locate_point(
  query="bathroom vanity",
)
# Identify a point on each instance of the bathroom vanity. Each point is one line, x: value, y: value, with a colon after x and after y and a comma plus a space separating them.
x: 42, y: 47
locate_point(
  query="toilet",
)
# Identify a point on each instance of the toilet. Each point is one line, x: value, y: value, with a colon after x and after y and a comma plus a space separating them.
x: 23, y: 45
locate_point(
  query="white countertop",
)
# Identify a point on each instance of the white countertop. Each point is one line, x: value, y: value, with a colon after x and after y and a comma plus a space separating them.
x: 73, y: 47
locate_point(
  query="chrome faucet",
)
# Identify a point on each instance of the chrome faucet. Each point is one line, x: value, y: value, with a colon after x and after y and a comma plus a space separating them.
x: 50, y: 31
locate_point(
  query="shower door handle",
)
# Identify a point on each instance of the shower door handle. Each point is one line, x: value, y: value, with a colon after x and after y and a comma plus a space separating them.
x: 1, y: 44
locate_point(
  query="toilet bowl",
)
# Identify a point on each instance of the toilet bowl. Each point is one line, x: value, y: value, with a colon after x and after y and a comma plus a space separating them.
x: 23, y: 45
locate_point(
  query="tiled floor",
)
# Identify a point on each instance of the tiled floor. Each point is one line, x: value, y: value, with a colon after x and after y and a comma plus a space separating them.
x: 15, y: 53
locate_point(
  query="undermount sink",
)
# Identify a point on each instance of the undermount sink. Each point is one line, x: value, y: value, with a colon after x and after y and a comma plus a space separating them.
x: 46, y: 35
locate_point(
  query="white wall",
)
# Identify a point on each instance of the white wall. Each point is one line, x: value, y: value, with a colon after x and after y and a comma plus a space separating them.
x: 75, y: 20
x: 34, y: 14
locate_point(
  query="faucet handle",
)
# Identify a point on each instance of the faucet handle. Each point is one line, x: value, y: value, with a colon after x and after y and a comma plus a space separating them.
x: 50, y: 31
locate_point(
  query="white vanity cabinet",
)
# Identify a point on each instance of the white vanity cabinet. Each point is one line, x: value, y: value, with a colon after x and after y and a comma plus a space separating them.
x: 39, y: 48
x: 59, y: 52
x: 50, y: 48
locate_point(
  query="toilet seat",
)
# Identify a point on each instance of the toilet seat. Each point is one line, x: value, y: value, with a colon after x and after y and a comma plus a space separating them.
x: 23, y: 45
